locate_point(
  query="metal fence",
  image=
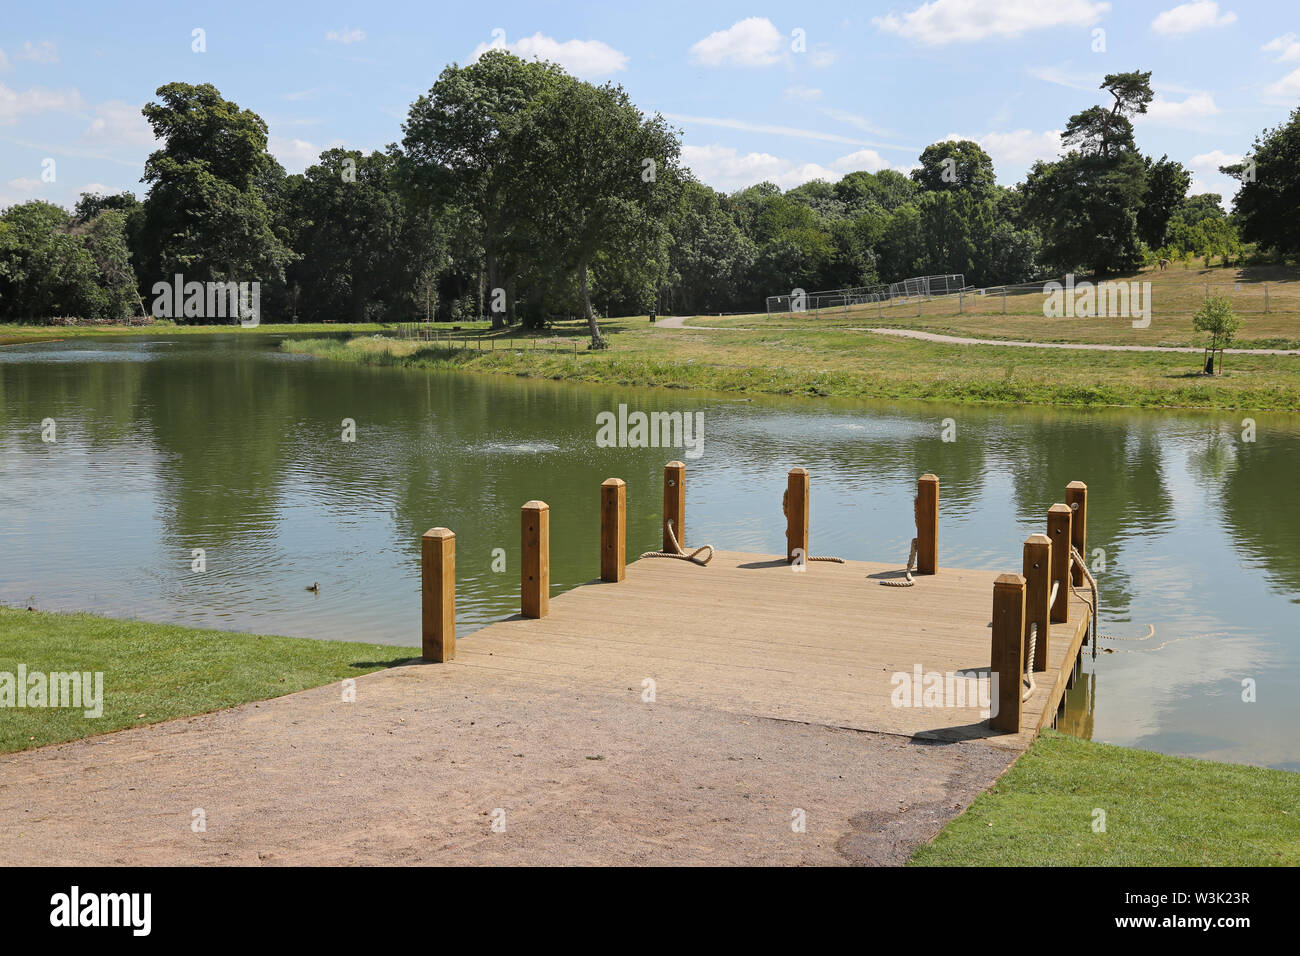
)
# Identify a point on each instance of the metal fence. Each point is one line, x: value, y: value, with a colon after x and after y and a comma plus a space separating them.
x: 917, y: 287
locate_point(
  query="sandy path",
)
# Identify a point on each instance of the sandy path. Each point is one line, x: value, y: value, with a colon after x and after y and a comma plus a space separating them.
x: 679, y: 322
x: 411, y: 772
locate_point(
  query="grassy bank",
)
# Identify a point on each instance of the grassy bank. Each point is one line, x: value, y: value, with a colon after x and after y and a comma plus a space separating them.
x: 156, y: 672
x: 1159, y: 811
x: 839, y: 362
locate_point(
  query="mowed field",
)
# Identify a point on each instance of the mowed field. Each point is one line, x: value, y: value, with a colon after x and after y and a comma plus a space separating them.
x: 1175, y: 295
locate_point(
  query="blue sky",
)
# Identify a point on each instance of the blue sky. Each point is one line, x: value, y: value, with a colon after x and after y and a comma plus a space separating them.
x: 779, y: 91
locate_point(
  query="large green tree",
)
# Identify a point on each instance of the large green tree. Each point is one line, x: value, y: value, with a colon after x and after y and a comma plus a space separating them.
x: 206, y: 215
x: 1269, y: 196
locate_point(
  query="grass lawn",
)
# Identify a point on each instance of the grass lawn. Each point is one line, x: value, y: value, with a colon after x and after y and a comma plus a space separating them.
x: 839, y: 362
x: 1160, y: 811
x: 155, y: 672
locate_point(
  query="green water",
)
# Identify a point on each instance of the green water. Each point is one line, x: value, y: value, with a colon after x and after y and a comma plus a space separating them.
x: 226, y: 444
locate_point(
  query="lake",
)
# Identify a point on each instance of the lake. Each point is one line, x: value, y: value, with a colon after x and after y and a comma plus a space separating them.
x: 225, y: 444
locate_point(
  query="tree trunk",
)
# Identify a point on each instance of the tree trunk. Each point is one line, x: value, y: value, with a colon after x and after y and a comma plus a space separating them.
x: 586, y: 302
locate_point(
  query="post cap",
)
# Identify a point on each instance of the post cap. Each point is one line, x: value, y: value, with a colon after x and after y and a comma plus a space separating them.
x: 536, y: 506
x: 1009, y: 581
x: 1038, y: 539
x: 675, y: 464
x: 440, y: 533
x: 929, y: 477
x: 798, y: 471
x: 612, y: 483
x: 1060, y: 509
x: 1078, y: 485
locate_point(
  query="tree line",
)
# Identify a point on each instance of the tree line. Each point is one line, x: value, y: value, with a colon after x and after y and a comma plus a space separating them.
x: 518, y: 192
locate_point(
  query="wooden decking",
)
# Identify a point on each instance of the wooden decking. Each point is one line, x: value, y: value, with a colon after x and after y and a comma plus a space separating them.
x: 750, y: 636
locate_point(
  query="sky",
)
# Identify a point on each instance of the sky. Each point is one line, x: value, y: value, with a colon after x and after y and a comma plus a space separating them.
x: 786, y: 92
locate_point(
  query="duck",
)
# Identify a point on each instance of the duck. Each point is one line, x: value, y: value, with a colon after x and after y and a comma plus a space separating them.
x: 314, y: 587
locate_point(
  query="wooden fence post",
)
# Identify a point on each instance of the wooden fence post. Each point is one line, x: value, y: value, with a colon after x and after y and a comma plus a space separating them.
x: 1006, y: 662
x: 1058, y: 529
x: 674, y: 503
x: 927, y: 524
x: 438, y: 595
x: 1038, y: 588
x: 613, y: 529
x: 1076, y: 496
x: 535, y: 559
x: 796, y: 514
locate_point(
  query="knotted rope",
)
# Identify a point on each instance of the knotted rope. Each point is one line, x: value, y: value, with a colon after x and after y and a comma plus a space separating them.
x: 785, y: 510
x: 911, y: 554
x: 679, y: 552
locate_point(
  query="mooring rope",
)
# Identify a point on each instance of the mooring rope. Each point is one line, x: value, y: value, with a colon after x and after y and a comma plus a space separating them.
x: 679, y: 551
x: 911, y: 566
x: 1028, y: 677
x: 911, y: 554
x: 785, y: 510
x: 1075, y: 556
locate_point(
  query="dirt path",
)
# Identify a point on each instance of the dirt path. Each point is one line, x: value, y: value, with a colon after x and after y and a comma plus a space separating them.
x: 679, y: 322
x: 1081, y: 346
x: 412, y: 771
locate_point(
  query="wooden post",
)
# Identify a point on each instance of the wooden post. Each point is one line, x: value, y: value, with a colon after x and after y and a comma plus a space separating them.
x: 1076, y: 496
x: 438, y: 595
x: 1038, y: 588
x: 1058, y: 529
x: 927, y: 524
x: 1006, y: 661
x: 535, y: 560
x: 613, y: 529
x: 674, y: 503
x: 796, y: 514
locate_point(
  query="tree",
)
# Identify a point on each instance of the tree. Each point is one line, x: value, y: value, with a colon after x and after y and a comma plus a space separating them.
x: 1166, y: 187
x: 600, y: 178
x: 1265, y: 204
x: 461, y: 145
x: 363, y: 249
x: 955, y: 165
x: 205, y: 216
x: 116, y: 292
x: 1216, y: 317
x: 45, y: 270
x: 1086, y: 204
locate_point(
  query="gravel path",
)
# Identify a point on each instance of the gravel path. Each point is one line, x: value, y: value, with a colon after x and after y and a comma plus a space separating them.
x: 412, y: 772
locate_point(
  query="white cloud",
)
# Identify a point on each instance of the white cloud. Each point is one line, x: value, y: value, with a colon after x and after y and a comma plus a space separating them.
x: 1072, y: 81
x: 1287, y: 47
x: 803, y: 94
x: 851, y: 119
x: 4, y: 61
x: 98, y: 189
x: 775, y: 130
x: 582, y: 58
x: 1288, y: 86
x: 34, y: 101
x: 1189, y: 17
x: 1206, y: 177
x: 346, y: 35
x: 295, y: 155
x: 120, y: 124
x: 950, y: 21
x: 43, y: 52
x: 1196, y: 106
x: 822, y: 55
x: 1017, y: 148
x: 726, y: 168
x: 752, y: 42
x: 25, y: 184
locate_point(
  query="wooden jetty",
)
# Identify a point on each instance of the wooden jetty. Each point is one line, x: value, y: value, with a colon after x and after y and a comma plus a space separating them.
x: 813, y: 641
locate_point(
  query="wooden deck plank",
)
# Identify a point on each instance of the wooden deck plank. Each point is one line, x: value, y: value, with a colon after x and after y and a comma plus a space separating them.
x: 749, y: 635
